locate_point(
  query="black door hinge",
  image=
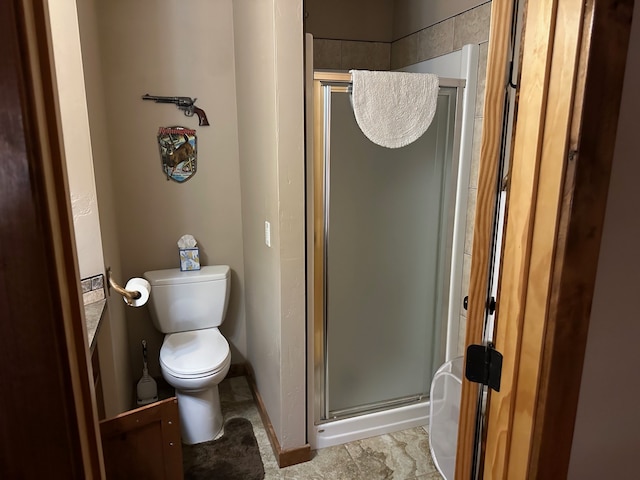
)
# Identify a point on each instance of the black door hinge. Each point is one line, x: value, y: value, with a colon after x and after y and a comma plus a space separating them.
x: 484, y: 365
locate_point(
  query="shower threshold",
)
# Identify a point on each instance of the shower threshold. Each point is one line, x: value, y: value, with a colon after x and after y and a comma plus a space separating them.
x: 389, y: 420
x: 374, y: 407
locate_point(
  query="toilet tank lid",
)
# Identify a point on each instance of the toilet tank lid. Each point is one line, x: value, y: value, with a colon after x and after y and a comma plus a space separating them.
x: 173, y: 276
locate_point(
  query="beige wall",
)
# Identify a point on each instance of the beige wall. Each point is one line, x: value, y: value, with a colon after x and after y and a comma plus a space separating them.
x: 607, y: 429
x: 349, y: 54
x: 113, y: 337
x: 128, y: 51
x: 83, y: 130
x: 269, y: 78
x: 77, y: 143
x: 365, y: 20
x: 169, y: 48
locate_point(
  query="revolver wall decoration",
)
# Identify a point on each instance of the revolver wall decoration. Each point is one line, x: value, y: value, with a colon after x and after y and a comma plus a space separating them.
x: 186, y: 104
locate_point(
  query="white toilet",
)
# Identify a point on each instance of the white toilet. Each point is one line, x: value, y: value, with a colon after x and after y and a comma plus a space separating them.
x: 188, y: 307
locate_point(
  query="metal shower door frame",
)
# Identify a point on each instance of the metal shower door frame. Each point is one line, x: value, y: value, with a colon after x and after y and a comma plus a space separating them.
x: 326, y: 83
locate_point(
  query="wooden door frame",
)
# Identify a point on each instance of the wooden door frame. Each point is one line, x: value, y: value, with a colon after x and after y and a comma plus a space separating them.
x: 51, y: 399
x: 494, y: 112
x: 573, y: 57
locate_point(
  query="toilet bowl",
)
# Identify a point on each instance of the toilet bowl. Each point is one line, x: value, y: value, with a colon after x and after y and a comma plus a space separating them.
x: 194, y: 358
x: 194, y: 363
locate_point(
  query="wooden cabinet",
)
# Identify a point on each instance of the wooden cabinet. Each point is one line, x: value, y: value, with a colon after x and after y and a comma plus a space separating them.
x: 144, y: 443
x: 97, y: 382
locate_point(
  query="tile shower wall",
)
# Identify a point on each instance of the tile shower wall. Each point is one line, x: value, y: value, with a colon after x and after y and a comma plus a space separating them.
x: 445, y: 37
x: 442, y: 38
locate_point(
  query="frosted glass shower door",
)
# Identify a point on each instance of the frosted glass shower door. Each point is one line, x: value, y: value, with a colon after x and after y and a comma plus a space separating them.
x: 388, y: 235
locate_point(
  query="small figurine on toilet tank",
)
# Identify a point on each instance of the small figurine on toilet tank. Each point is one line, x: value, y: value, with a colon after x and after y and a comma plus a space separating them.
x: 189, y: 253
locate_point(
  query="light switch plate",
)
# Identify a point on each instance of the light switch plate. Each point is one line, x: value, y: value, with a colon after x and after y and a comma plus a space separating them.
x: 267, y: 234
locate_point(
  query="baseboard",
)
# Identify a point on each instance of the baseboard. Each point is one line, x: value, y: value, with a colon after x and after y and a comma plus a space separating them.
x: 285, y: 458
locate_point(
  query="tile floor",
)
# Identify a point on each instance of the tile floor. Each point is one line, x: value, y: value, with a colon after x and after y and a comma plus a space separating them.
x: 400, y: 456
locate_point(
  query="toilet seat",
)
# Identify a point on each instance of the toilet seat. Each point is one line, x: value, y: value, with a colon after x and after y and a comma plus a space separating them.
x: 195, y: 354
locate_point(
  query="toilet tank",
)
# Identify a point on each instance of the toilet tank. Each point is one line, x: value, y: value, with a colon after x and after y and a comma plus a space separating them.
x: 193, y: 300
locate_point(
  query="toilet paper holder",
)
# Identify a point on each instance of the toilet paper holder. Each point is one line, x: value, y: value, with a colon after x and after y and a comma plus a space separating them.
x: 129, y: 295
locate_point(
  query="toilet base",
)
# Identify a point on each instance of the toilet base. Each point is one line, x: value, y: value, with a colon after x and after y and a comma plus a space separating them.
x: 200, y: 415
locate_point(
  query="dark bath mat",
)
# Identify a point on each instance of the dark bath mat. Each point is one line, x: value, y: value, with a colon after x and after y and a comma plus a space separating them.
x: 234, y: 456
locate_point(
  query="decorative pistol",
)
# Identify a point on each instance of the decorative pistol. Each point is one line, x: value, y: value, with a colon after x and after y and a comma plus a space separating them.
x: 186, y: 104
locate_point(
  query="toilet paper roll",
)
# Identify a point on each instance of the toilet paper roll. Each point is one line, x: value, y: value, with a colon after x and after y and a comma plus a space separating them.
x: 138, y: 285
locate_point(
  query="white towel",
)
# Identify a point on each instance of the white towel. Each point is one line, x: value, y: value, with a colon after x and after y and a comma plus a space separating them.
x: 394, y: 109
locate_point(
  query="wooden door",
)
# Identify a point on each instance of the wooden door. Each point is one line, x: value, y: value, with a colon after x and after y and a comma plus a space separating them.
x: 573, y: 59
x: 49, y: 412
x: 144, y: 443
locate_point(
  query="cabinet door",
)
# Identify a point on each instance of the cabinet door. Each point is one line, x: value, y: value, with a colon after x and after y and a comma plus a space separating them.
x: 144, y: 443
x: 97, y: 382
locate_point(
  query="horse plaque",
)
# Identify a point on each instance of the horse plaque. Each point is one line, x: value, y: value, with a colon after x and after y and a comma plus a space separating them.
x: 178, y: 152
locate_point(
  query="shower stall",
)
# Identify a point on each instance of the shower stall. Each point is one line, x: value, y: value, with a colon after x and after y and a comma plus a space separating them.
x: 386, y: 230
